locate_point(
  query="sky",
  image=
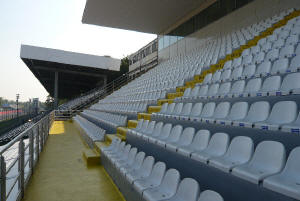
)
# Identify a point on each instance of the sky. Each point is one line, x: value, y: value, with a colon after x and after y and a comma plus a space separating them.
x: 52, y: 24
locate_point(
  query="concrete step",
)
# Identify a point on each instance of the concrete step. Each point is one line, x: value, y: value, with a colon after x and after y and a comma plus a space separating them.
x: 91, y: 157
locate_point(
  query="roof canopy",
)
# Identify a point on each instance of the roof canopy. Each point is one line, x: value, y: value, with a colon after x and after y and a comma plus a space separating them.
x: 78, y: 73
x: 153, y: 16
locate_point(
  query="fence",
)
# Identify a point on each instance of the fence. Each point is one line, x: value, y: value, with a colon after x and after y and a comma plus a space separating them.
x: 19, y: 157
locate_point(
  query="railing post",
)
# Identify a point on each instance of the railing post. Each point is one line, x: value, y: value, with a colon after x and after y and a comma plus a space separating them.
x: 31, y: 151
x: 41, y: 136
x: 21, y: 168
x: 37, y: 142
x: 2, y: 179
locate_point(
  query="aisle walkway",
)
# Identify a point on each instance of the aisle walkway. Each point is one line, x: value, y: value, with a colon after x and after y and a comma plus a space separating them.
x: 61, y: 173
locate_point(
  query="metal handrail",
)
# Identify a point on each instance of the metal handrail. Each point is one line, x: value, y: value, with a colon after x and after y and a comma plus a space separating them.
x: 37, y: 136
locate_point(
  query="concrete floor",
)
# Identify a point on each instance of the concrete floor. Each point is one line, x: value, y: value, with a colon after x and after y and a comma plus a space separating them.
x: 61, y: 173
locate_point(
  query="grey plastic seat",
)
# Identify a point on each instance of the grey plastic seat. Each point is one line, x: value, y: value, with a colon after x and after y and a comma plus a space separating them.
x: 143, y: 172
x: 252, y: 87
x: 187, y: 93
x: 224, y: 89
x: 163, y: 110
x: 225, y: 75
x: 172, y: 137
x: 287, y: 51
x: 279, y: 43
x: 239, y: 152
x: 268, y: 159
x: 280, y: 66
x: 259, y: 111
x: 185, y: 112
x: 292, y: 40
x: 209, y: 195
x: 263, y: 69
x: 255, y: 49
x: 290, y: 85
x: 247, y: 60
x: 196, y: 111
x: 238, y: 111
x: 272, y: 83
x: 213, y: 90
x: 287, y: 182
x: 217, y: 146
x: 221, y: 112
x: 216, y: 76
x: 199, y: 143
x: 293, y: 127
x: 283, y: 112
x: 122, y: 156
x: 165, y: 131
x: 267, y: 47
x: 156, y: 131
x: 227, y: 65
x: 149, y: 129
x: 170, y: 109
x: 207, y: 78
x: 153, y: 180
x: 137, y: 128
x: 236, y: 73
x: 207, y: 111
x: 195, y: 91
x: 272, y: 55
x: 295, y: 64
x: 185, y: 139
x: 202, y: 92
x: 138, y: 161
x: 249, y: 71
x: 188, y: 190
x: 177, y: 110
x: 237, y: 62
x: 258, y: 58
x: 166, y: 189
x: 130, y: 160
x: 237, y: 88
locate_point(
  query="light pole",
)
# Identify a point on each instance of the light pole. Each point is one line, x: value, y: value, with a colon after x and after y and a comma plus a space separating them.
x: 18, y: 96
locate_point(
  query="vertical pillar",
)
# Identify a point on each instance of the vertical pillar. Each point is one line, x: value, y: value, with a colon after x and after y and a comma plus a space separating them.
x: 55, y: 89
x: 2, y: 179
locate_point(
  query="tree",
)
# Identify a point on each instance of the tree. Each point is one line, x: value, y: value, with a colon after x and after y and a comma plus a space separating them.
x: 49, y: 103
x: 124, y: 67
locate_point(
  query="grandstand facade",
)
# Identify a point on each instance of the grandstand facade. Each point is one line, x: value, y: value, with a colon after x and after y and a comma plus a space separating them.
x: 217, y: 119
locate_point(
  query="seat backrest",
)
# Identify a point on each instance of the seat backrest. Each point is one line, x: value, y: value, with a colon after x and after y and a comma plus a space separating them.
x: 145, y: 125
x: 213, y: 89
x: 227, y: 64
x: 158, y: 172
x: 238, y: 111
x: 247, y: 60
x: 188, y: 190
x: 164, y: 108
x: 138, y: 161
x: 258, y: 58
x: 238, y: 87
x: 280, y: 65
x: 216, y: 76
x: 170, y: 181
x: 178, y: 108
x: 175, y: 133
x: 259, y: 111
x: 291, y: 81
x: 147, y: 166
x: 292, y: 166
x: 218, y: 143
x: 241, y: 148
x: 255, y: 49
x: 139, y: 125
x: 236, y: 73
x: 186, y: 110
x: 207, y: 78
x: 249, y: 70
x: 264, y: 67
x: 253, y: 85
x: 237, y: 62
x: 208, y: 109
x: 150, y: 127
x: 203, y: 90
x: 287, y: 51
x: 224, y: 88
x: 131, y: 155
x: 225, y: 75
x: 170, y: 108
x: 222, y: 110
x: 269, y: 155
x: 283, y: 112
x: 158, y: 128
x: 292, y: 40
x: 187, y: 92
x: 271, y: 84
x: 246, y: 52
x: 209, y: 195
x: 196, y: 110
x: 201, y: 139
x: 165, y: 132
x: 195, y: 91
x: 295, y: 62
x: 187, y: 136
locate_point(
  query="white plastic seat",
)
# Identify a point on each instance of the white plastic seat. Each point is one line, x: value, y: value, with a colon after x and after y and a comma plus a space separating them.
x: 129, y: 161
x: 202, y: 92
x: 196, y: 111
x: 287, y: 182
x: 236, y: 73
x: 164, y: 133
x: 166, y: 189
x: 138, y: 127
x: 207, y: 78
x: 279, y: 43
x: 138, y: 161
x: 207, y: 111
x: 186, y: 94
x: 237, y: 62
x: 186, y: 111
x: 268, y: 159
x: 156, y: 131
x: 249, y: 71
x: 177, y: 110
x: 238, y: 111
x: 239, y: 152
x: 220, y: 112
x: 163, y: 109
x: 209, y: 195
x: 267, y: 47
x: 292, y: 40
x: 224, y: 89
x: 143, y: 172
x: 185, y: 139
x: 227, y: 64
x: 280, y: 66
x: 272, y: 83
x: 290, y: 85
x: 149, y: 129
x: 217, y: 146
x: 247, y: 60
x: 283, y: 112
x: 188, y: 190
x: 195, y: 91
x: 153, y: 180
x: 295, y: 64
x: 258, y: 58
x: 263, y: 69
x: 255, y: 49
x: 252, y: 87
x: 172, y: 137
x: 225, y: 75
x: 259, y: 111
x: 213, y: 90
x: 293, y: 127
x: 170, y: 109
x: 237, y: 88
x: 287, y: 51
x: 199, y: 143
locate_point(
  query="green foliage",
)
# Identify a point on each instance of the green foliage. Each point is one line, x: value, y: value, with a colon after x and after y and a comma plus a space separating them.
x: 49, y: 103
x: 124, y: 67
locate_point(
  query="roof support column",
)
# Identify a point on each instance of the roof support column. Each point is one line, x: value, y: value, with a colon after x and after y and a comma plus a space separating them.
x: 55, y: 89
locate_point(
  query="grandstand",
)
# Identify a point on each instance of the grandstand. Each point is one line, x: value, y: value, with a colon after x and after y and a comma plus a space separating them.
x: 217, y: 118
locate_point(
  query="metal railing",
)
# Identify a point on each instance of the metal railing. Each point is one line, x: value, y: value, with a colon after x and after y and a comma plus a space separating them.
x: 19, y: 157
